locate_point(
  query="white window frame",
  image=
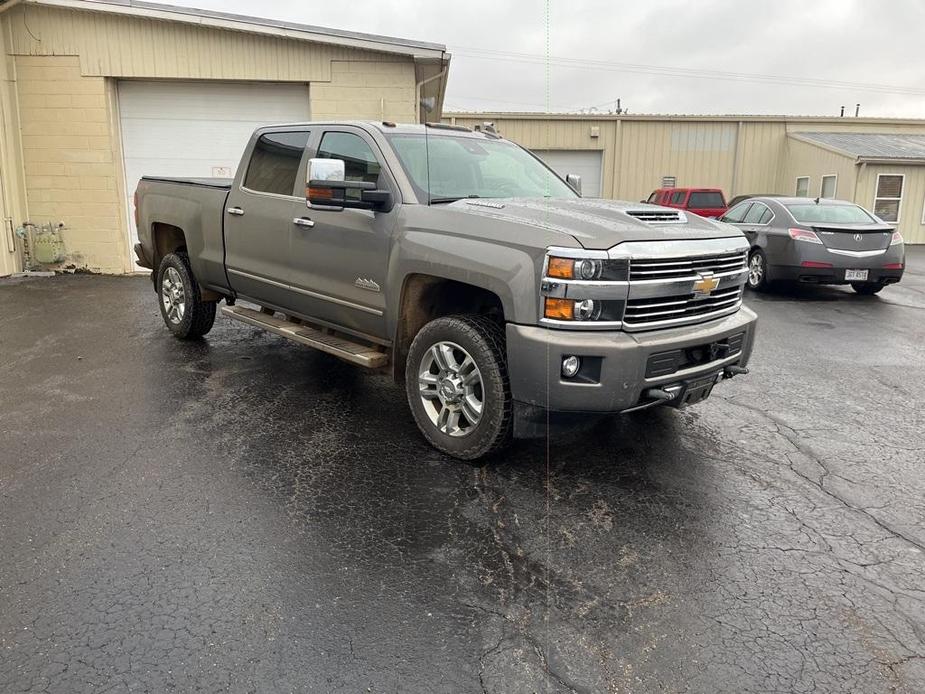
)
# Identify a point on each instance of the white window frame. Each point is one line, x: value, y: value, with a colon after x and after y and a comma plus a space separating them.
x: 822, y: 186
x: 902, y: 189
x: 796, y: 190
x: 923, y: 211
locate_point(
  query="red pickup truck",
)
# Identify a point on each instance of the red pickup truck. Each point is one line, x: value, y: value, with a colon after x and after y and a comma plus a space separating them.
x: 707, y: 202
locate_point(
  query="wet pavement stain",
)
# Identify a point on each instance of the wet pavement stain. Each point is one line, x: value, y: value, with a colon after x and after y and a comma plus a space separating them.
x: 242, y: 514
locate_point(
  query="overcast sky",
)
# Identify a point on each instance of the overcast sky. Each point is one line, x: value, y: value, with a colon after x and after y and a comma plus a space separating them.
x: 784, y: 52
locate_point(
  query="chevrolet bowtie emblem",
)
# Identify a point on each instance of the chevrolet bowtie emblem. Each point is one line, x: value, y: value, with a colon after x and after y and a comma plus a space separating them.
x: 705, y: 285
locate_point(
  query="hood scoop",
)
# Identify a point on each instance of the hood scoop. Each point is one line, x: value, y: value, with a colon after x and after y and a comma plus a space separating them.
x: 658, y: 216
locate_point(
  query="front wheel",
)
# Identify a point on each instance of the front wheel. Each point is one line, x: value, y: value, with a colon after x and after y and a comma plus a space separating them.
x: 758, y: 271
x: 457, y: 385
x: 866, y: 288
x: 180, y: 299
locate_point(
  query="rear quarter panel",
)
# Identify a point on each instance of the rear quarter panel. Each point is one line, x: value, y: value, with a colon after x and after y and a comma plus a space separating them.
x: 198, y: 211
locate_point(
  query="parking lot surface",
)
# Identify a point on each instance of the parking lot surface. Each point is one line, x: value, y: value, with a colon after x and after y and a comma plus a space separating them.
x: 244, y: 514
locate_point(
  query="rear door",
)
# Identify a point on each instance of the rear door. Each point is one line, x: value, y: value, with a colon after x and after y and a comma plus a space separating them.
x: 339, y: 257
x: 258, y: 218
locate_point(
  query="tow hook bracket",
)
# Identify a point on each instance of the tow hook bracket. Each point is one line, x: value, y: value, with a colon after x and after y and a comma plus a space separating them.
x: 734, y: 370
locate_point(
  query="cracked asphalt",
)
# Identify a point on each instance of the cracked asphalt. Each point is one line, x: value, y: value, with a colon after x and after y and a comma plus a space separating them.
x: 243, y: 514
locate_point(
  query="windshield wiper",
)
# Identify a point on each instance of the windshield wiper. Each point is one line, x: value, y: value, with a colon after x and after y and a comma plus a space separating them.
x: 438, y: 201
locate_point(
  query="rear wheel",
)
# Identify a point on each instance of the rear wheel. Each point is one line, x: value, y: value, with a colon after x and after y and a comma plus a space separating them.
x: 180, y: 299
x: 867, y: 288
x: 758, y: 271
x: 457, y: 386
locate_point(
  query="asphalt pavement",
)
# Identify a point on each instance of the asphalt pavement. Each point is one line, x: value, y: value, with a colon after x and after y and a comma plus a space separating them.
x: 243, y: 514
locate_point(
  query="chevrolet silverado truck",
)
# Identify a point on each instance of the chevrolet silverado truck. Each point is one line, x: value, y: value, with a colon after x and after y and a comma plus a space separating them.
x: 459, y: 263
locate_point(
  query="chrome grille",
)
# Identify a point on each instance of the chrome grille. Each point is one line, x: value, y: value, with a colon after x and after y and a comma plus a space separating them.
x: 671, y: 268
x: 681, y: 308
x: 658, y: 216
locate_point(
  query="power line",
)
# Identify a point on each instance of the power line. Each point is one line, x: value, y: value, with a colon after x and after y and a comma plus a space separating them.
x: 671, y: 71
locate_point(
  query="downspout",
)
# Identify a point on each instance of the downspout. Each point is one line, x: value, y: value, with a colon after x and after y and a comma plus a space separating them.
x: 420, y: 85
x: 857, y: 180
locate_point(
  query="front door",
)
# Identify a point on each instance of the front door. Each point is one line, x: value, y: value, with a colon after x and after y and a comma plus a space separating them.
x: 339, y: 257
x: 258, y: 219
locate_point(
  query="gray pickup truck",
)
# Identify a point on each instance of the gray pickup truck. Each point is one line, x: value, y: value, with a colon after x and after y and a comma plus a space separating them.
x: 462, y: 264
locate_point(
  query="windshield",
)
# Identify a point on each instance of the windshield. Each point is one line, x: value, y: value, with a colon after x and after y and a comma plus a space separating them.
x: 465, y: 167
x: 810, y: 213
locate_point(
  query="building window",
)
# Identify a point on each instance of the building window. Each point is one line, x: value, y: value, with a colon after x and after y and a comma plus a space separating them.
x: 802, y: 186
x: 827, y: 189
x: 889, y: 196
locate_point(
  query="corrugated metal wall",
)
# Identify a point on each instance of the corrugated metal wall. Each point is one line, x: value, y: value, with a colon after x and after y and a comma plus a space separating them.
x: 120, y: 46
x: 803, y: 159
x: 912, y: 210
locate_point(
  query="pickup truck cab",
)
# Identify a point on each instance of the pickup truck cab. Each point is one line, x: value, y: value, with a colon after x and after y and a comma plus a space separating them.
x: 462, y: 265
x: 707, y: 202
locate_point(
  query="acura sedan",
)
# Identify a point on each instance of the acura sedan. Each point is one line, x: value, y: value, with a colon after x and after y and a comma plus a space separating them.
x: 818, y: 241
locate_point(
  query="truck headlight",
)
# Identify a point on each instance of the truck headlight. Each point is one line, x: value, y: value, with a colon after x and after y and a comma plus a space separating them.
x: 587, y: 269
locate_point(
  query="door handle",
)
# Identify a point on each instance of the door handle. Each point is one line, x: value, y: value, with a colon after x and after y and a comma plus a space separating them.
x: 236, y: 211
x: 303, y: 222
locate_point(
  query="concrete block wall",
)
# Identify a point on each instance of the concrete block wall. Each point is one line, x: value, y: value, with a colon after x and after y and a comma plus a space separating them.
x: 70, y: 159
x: 366, y: 90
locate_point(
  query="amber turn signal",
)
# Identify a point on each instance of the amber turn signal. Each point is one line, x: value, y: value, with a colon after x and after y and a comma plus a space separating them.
x: 559, y: 309
x: 563, y: 268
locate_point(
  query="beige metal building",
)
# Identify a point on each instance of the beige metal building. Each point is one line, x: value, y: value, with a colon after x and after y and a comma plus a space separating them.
x: 878, y: 163
x: 94, y: 94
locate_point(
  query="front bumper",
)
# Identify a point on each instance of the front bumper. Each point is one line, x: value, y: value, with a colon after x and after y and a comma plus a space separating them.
x: 615, y: 364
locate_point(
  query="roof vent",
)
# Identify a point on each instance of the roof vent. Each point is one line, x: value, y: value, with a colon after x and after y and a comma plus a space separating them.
x: 658, y: 216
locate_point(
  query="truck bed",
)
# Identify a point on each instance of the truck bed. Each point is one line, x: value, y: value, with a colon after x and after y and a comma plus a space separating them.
x: 224, y: 183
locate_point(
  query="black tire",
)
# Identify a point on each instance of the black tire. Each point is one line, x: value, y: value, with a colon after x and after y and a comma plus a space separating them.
x: 482, y: 339
x: 867, y: 288
x: 196, y: 317
x: 758, y: 271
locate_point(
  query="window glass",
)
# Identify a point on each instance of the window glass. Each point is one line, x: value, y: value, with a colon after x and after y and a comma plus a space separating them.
x: 766, y: 216
x: 827, y: 190
x: 704, y: 200
x: 360, y: 164
x: 653, y: 198
x: 802, y: 187
x: 274, y: 163
x: 755, y: 214
x: 737, y: 213
x: 677, y: 198
x: 456, y: 167
x: 811, y: 213
x: 889, y: 196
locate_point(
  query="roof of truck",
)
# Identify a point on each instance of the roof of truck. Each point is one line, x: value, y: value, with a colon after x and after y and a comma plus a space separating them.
x: 388, y: 127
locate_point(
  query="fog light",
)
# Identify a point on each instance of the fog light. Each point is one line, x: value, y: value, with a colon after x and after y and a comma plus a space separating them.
x: 570, y: 365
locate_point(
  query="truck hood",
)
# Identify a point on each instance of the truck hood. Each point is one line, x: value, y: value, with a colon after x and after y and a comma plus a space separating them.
x: 598, y: 224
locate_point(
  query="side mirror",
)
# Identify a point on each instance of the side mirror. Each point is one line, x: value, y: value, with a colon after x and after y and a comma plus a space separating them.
x: 574, y: 182
x: 326, y: 186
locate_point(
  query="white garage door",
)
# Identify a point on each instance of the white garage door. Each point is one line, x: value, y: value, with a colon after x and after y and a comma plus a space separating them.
x: 197, y: 128
x: 585, y: 163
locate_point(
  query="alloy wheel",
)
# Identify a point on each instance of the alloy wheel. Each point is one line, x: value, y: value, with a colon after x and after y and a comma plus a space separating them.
x: 173, y: 295
x: 451, y: 389
x: 755, y: 270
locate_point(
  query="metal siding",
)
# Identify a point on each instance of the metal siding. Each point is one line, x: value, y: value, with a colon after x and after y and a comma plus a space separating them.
x: 913, y: 199
x: 116, y: 46
x: 803, y: 159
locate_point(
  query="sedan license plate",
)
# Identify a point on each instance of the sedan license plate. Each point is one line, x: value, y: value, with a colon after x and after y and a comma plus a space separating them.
x: 856, y: 275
